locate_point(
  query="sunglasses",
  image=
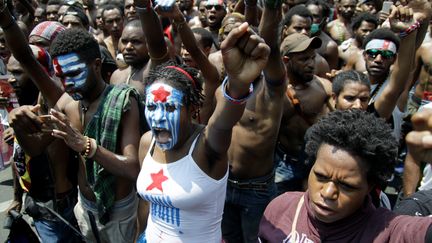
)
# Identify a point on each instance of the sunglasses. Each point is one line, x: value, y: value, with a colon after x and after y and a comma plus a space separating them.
x: 385, y: 54
x: 217, y: 7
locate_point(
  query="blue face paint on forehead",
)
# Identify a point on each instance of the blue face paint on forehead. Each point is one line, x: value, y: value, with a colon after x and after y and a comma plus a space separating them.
x: 73, y: 72
x: 162, y: 112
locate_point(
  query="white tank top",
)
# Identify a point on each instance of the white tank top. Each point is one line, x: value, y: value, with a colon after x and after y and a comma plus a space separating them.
x: 186, y: 205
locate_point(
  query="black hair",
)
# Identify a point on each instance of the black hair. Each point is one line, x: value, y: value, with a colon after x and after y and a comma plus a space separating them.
x: 382, y: 34
x: 350, y: 76
x: 78, y: 12
x: 111, y: 6
x: 206, y: 36
x: 358, y: 20
x: 360, y: 133
x: 192, y: 89
x: 299, y: 10
x: 55, y: 2
x: 325, y: 8
x: 75, y: 40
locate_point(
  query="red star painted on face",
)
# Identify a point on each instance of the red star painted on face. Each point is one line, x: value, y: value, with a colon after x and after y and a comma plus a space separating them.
x: 160, y: 94
x: 157, y: 179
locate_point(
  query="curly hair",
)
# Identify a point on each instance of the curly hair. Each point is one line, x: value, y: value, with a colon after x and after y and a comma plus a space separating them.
x: 76, y: 40
x: 192, y: 89
x: 360, y: 133
x: 350, y: 76
x: 358, y: 20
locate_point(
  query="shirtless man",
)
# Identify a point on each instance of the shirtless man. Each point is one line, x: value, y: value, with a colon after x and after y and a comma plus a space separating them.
x: 340, y: 28
x: 251, y: 178
x: 329, y: 49
x: 215, y: 12
x: 133, y: 47
x: 112, y: 16
x: 107, y: 171
x: 299, y: 20
x: 307, y: 100
x: 351, y: 50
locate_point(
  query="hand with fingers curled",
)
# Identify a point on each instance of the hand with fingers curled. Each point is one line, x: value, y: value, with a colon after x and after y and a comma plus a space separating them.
x: 419, y: 140
x: 244, y: 55
x: 169, y: 11
x: 26, y: 119
x: 401, y: 18
x: 64, y: 130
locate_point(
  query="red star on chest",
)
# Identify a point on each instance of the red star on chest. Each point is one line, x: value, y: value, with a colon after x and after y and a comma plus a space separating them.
x: 157, y: 179
x: 160, y: 94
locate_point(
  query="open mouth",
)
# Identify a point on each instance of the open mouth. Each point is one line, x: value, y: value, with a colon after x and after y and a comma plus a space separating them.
x: 162, y: 135
x: 211, y: 18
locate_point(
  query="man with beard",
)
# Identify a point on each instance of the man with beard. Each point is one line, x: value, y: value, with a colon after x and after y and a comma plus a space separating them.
x: 340, y: 29
x: 215, y: 12
x: 299, y: 20
x: 133, y: 47
x: 351, y: 51
x: 329, y: 49
x: 307, y: 99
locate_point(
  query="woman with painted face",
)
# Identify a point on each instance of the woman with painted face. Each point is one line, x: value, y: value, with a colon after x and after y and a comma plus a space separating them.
x: 184, y: 167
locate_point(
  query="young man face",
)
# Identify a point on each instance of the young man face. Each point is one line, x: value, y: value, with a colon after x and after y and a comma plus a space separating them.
x: 74, y: 73
x: 337, y: 184
x: 379, y: 55
x: 354, y: 95
x: 52, y: 12
x: 133, y: 46
x: 363, y: 30
x: 302, y: 64
x: 113, y: 21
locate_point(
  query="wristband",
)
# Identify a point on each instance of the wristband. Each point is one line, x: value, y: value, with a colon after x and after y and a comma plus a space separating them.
x: 410, y: 29
x: 145, y: 9
x: 233, y: 100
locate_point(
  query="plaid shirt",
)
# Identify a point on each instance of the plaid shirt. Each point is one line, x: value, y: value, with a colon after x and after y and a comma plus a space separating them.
x: 104, y: 127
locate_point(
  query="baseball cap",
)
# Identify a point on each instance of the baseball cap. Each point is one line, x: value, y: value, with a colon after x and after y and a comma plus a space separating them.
x: 298, y: 43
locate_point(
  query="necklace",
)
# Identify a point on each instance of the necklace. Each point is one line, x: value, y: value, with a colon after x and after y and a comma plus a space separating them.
x: 83, y: 109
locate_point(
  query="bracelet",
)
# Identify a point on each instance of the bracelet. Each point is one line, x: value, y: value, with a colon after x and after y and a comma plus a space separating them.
x: 86, y: 150
x: 145, y: 9
x: 93, y: 148
x: 410, y: 29
x: 233, y: 100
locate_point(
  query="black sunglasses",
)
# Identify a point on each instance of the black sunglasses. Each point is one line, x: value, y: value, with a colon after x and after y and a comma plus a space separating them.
x: 385, y: 54
x: 217, y: 7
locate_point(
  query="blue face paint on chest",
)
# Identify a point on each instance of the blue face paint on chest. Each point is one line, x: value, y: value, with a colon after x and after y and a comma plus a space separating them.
x: 162, y: 112
x: 73, y: 73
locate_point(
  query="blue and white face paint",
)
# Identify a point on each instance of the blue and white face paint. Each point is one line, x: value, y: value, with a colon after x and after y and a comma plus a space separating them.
x: 73, y: 73
x: 163, y: 108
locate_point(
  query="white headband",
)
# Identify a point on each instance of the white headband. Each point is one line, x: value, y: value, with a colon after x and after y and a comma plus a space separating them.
x: 381, y: 45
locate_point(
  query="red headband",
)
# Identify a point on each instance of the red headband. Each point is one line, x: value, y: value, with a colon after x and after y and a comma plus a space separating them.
x: 184, y: 72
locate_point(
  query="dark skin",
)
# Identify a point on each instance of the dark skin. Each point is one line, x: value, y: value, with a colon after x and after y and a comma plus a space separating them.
x: 123, y: 164
x: 251, y: 151
x: 245, y: 55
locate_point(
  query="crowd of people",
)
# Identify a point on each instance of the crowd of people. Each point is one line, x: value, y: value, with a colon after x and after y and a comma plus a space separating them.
x: 220, y: 120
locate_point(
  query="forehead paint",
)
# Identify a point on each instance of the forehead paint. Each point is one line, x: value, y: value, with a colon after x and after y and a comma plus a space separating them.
x: 381, y: 45
x: 160, y: 101
x: 73, y: 72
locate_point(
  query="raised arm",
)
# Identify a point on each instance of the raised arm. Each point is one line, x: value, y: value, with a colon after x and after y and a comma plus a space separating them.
x: 51, y: 89
x: 401, y: 18
x: 208, y: 70
x: 244, y: 55
x: 269, y: 29
x: 153, y: 33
